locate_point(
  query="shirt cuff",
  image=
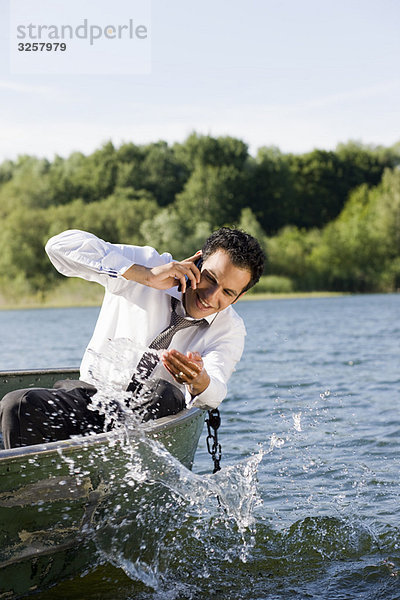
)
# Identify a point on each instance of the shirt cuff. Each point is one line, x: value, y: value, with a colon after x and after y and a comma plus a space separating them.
x: 115, y: 264
x: 210, y: 398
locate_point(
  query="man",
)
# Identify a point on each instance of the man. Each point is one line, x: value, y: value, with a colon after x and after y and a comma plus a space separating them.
x: 182, y: 307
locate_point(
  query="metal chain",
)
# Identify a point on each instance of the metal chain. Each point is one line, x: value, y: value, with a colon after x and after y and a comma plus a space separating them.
x: 213, y: 423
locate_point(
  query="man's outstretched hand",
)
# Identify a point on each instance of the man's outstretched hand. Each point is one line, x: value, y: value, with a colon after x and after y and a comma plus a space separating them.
x: 166, y: 276
x: 188, y: 370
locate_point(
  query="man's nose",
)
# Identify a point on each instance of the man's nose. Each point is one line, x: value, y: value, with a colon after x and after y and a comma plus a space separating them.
x: 212, y: 293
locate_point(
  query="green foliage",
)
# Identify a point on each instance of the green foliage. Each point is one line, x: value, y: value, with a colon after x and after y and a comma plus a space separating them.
x: 214, y: 194
x: 168, y: 233
x: 365, y: 164
x: 116, y: 218
x: 319, y: 189
x: 204, y: 150
x: 155, y: 168
x: 328, y: 220
x: 270, y: 190
x: 23, y: 262
x: 310, y: 190
x: 360, y: 250
x: 273, y: 284
x: 250, y: 224
x: 288, y: 255
x: 27, y: 187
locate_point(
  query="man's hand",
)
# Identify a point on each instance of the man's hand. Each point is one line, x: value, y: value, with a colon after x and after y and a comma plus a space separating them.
x: 188, y: 370
x: 166, y: 276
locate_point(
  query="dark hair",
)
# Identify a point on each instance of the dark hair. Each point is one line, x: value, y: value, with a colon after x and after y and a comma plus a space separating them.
x: 243, y: 249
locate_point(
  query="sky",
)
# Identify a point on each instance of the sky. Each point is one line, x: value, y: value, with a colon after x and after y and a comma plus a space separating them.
x: 294, y: 74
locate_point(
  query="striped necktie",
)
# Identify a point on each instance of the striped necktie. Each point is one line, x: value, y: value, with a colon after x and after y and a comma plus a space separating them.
x: 149, y: 360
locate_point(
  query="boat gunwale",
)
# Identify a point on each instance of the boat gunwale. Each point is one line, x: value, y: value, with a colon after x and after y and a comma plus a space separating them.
x: 85, y: 441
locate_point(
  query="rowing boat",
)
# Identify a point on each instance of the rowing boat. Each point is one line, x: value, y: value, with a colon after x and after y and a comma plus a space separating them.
x: 54, y: 496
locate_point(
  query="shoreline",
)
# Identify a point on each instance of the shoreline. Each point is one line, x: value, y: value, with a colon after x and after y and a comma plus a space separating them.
x: 28, y: 304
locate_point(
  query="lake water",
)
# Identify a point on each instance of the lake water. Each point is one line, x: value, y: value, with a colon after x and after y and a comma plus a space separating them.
x: 315, y: 403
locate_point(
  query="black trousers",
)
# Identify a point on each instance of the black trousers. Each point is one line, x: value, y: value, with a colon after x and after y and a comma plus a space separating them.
x: 40, y: 415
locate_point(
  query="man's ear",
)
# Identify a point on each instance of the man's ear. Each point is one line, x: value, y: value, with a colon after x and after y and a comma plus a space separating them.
x: 237, y: 297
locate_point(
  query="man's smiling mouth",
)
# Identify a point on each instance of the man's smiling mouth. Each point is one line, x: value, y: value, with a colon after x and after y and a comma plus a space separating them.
x: 203, y: 303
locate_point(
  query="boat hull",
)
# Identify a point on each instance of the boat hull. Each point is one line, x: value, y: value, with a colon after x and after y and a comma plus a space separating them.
x: 56, y: 497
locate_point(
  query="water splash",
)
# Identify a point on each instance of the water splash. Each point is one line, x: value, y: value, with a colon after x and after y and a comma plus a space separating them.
x: 152, y: 497
x: 275, y: 442
x: 297, y: 421
x: 111, y: 371
x: 160, y: 496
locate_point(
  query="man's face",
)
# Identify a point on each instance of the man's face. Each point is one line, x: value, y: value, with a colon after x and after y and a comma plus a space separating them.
x: 220, y: 285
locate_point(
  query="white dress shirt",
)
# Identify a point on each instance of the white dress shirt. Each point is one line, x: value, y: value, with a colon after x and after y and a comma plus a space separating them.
x: 136, y: 312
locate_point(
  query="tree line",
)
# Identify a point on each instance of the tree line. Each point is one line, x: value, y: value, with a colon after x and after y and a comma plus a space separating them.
x: 328, y: 220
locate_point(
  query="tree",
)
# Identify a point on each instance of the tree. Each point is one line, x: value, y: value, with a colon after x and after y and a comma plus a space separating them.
x: 364, y: 164
x: 332, y: 218
x: 168, y: 233
x: 89, y: 178
x: 117, y: 218
x: 28, y: 187
x: 204, y: 150
x: 288, y: 255
x: 23, y: 261
x: 213, y: 194
x: 319, y: 189
x: 164, y: 175
x: 360, y: 250
x: 154, y: 167
x: 249, y: 224
x: 270, y: 189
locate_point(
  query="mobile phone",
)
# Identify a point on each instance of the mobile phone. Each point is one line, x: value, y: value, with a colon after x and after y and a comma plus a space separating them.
x: 198, y: 264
